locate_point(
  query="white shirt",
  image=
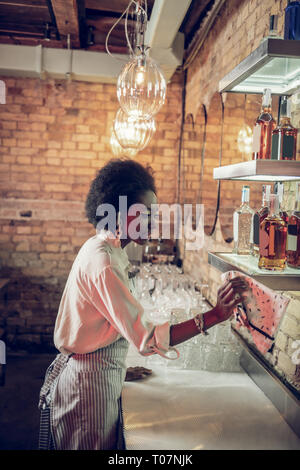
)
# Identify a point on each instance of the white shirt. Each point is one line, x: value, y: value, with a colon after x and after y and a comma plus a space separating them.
x: 98, y: 305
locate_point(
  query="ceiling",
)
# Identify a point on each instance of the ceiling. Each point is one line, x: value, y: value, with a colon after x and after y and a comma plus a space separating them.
x: 23, y: 22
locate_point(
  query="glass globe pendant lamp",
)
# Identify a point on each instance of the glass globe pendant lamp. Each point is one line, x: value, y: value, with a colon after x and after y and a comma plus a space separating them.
x: 119, y: 151
x: 132, y: 132
x: 141, y: 87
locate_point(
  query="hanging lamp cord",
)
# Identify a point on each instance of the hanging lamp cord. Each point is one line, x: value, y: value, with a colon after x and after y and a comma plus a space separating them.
x: 137, y: 4
x: 179, y: 166
x: 220, y: 160
x: 200, y: 194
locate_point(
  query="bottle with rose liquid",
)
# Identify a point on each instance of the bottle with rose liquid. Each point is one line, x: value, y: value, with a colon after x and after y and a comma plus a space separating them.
x: 272, y: 239
x: 293, y: 236
x: 284, y: 137
x: 259, y: 216
x: 262, y: 131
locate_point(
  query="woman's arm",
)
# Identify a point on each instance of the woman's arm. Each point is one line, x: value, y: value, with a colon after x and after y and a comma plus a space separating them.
x: 229, y: 296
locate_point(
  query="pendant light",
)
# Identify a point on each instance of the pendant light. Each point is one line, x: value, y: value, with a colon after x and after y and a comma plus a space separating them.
x: 141, y: 87
x: 131, y: 132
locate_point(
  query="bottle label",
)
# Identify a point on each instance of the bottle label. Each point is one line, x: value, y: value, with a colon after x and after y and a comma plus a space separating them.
x: 282, y: 147
x: 272, y: 240
x: 291, y: 243
x: 275, y: 150
x: 256, y: 139
x: 292, y: 238
x: 288, y: 147
x: 263, y: 243
x: 256, y: 229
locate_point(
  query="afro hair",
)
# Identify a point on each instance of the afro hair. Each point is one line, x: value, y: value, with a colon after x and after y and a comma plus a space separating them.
x: 117, y: 178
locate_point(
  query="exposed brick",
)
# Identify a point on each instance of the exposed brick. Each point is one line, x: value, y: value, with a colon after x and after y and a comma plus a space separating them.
x: 293, y: 309
x: 285, y: 364
x: 290, y: 327
x: 281, y: 341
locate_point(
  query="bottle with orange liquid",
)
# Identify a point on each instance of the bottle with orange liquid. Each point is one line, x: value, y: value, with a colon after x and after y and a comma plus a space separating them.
x: 293, y: 237
x: 262, y: 131
x: 272, y: 239
x: 284, y: 136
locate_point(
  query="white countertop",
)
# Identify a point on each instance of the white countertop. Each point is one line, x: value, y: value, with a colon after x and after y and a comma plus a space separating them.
x: 190, y: 410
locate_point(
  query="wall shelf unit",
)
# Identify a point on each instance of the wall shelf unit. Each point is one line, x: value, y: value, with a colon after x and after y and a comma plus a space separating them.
x: 275, y: 64
x: 287, y: 280
x: 260, y: 170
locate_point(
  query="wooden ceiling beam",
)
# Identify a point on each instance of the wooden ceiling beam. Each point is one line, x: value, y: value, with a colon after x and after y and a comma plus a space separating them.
x: 24, y: 3
x: 23, y: 29
x: 117, y: 6
x: 196, y: 10
x: 66, y: 17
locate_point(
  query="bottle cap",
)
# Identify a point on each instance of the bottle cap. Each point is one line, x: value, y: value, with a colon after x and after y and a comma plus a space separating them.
x: 267, y: 99
x: 246, y: 194
x: 283, y: 107
x: 266, y: 192
x: 274, y: 204
x: 279, y: 189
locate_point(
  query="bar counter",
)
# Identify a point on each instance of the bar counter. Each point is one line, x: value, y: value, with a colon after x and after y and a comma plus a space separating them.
x: 195, y: 409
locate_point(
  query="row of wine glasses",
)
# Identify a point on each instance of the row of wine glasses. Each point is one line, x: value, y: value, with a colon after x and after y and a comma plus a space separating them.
x: 169, y: 294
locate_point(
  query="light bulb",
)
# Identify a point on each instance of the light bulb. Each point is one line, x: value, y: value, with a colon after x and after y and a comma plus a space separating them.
x: 119, y: 151
x: 131, y: 132
x: 245, y: 139
x: 141, y: 87
x: 140, y: 76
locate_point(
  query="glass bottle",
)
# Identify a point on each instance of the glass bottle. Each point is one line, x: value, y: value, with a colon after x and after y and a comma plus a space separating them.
x: 293, y: 236
x: 262, y: 131
x: 242, y: 225
x: 272, y: 239
x: 291, y: 21
x: 284, y: 137
x: 259, y: 216
x: 273, y: 32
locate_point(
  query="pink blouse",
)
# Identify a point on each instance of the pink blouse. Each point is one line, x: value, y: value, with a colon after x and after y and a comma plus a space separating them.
x: 98, y: 305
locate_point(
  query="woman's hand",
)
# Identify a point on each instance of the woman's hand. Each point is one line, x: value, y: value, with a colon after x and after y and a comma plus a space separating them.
x: 137, y: 373
x: 229, y: 296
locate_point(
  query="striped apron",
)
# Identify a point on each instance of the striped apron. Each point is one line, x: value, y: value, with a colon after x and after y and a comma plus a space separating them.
x: 81, y: 403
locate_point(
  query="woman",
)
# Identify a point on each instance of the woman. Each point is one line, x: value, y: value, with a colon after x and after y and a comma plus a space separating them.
x: 99, y: 316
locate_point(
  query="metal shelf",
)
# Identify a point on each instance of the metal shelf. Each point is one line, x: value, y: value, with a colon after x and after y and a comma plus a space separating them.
x: 260, y: 170
x: 275, y: 64
x: 287, y: 280
x: 283, y: 397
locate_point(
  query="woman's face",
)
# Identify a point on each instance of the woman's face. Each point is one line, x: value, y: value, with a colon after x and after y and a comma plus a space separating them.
x: 147, y: 199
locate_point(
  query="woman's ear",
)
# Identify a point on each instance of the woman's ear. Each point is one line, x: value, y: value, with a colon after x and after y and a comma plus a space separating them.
x: 122, y: 224
x: 118, y: 225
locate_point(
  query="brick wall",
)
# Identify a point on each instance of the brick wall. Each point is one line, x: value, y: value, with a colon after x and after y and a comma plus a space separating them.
x: 54, y: 138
